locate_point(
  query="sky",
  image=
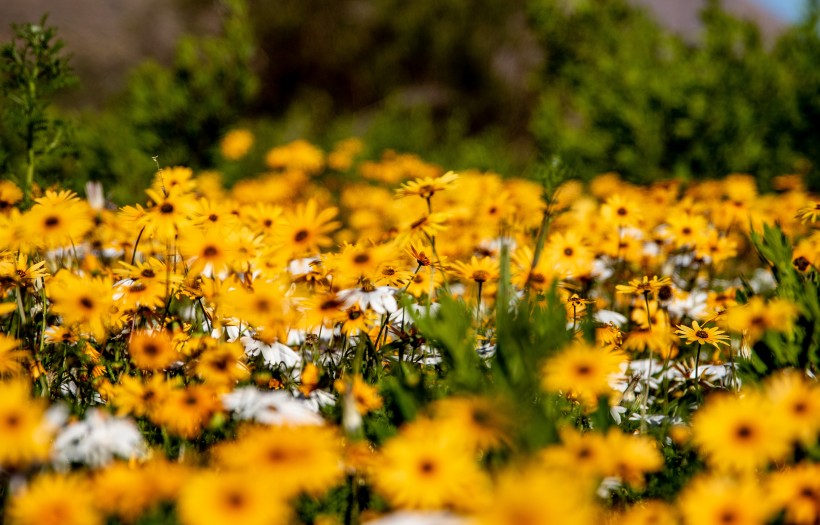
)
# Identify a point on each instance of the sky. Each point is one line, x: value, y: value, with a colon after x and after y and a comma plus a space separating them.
x: 788, y: 9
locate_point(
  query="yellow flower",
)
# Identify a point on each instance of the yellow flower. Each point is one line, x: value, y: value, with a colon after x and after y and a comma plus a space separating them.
x: 236, y: 144
x: 809, y: 213
x: 296, y: 459
x: 740, y: 433
x: 23, y: 439
x: 55, y: 499
x: 643, y: 286
x: 303, y: 230
x: 715, y: 500
x: 477, y: 270
x: 702, y: 335
x: 10, y: 195
x: 797, y: 491
x: 216, y: 498
x: 367, y: 397
x: 11, y: 356
x: 540, y: 497
x: 582, y: 371
x: 427, y: 187
x: 424, y: 468
x: 84, y: 302
x: 298, y: 155
x: 152, y: 350
x: 483, y: 423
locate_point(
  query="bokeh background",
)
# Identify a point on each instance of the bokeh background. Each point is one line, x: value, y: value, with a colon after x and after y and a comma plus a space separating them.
x: 648, y: 88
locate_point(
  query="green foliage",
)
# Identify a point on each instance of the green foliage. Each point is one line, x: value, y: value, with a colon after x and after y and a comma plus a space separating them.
x: 33, y: 68
x: 799, y: 348
x: 652, y: 106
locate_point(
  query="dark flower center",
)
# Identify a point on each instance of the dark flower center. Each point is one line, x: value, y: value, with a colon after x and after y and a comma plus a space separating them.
x: 166, y: 208
x: 87, y: 303
x: 52, y: 221
x: 702, y: 334
x: 744, y: 432
x: 301, y: 235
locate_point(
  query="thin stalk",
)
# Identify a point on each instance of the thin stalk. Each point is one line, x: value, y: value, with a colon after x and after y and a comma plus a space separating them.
x: 645, y: 400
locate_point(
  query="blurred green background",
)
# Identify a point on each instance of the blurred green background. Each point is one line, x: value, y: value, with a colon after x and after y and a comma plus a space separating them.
x: 501, y: 85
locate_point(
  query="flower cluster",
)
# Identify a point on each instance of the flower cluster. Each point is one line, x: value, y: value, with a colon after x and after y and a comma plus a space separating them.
x: 420, y: 346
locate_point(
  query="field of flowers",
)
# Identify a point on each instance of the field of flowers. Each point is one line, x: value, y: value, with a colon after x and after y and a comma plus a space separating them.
x: 345, y: 341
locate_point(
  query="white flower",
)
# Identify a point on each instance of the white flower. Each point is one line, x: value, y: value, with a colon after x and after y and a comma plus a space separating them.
x: 318, y: 399
x: 270, y: 408
x: 97, y: 440
x: 274, y: 354
x: 380, y: 299
x: 608, y: 316
x: 419, y: 518
x: 692, y: 306
x: 298, y: 267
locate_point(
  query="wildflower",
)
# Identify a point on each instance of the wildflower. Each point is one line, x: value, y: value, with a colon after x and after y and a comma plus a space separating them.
x: 537, y: 496
x: 11, y: 356
x: 569, y: 254
x: 185, y: 411
x: 139, y: 397
x: 481, y: 422
x: 270, y: 408
x: 341, y: 158
x: 222, y: 365
x: 97, y: 440
x: 631, y: 457
x: 85, y: 302
x: 304, y: 230
x: 643, y: 286
x: 366, y: 397
x: 169, y: 214
x: 122, y: 490
x: 423, y: 468
x: 646, y: 512
x: 428, y: 225
x: 274, y: 354
x: 685, y: 228
x: 718, y: 500
x: 797, y: 491
x: 298, y: 155
x: 57, y: 220
x: 702, y: 335
x: 583, y: 454
x: 305, y: 458
x: 757, y: 316
x: 427, y: 187
x: 740, y: 433
x: 809, y: 213
x: 380, y: 299
x: 10, y: 194
x: 798, y: 400
x: 581, y: 370
x: 16, y: 271
x: 64, y: 499
x: 236, y: 144
x: 621, y: 211
x: 477, y: 270
x: 176, y: 180
x: 23, y: 439
x: 213, y: 251
x: 214, y: 498
x: 152, y: 350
